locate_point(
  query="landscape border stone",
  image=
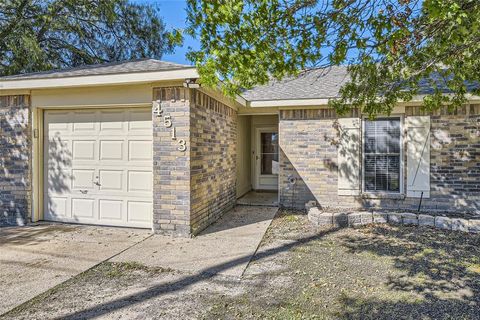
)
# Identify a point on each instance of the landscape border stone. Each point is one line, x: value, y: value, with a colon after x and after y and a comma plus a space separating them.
x: 425, y: 220
x: 380, y: 217
x: 358, y: 218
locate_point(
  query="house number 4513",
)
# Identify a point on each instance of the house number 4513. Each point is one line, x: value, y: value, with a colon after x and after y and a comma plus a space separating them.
x: 167, y: 122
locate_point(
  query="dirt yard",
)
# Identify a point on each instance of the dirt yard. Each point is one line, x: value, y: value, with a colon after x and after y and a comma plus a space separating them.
x: 375, y: 272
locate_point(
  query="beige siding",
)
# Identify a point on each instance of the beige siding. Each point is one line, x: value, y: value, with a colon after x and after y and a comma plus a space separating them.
x: 264, y: 121
x: 257, y: 111
x: 244, y: 162
x: 93, y: 96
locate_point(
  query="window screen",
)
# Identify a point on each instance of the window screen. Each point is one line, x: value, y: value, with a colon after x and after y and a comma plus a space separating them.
x: 382, y: 155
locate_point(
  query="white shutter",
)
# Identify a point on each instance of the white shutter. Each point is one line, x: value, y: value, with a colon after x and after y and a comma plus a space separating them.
x: 349, y: 156
x: 418, y: 156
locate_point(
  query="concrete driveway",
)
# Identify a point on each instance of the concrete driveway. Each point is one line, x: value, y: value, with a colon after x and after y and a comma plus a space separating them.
x: 225, y: 247
x: 34, y: 259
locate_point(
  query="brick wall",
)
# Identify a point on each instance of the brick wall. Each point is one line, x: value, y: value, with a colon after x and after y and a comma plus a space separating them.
x: 171, y: 174
x: 213, y: 153
x: 454, y: 158
x: 193, y: 188
x: 15, y: 160
x: 308, y: 152
x: 308, y: 141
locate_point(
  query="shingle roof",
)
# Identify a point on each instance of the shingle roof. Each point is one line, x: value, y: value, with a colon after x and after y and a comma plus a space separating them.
x: 142, y: 65
x: 325, y: 83
x: 318, y: 83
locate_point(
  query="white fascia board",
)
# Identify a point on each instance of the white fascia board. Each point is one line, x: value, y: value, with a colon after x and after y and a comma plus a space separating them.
x: 470, y: 97
x: 241, y: 100
x: 417, y: 99
x: 288, y: 103
x: 98, y: 80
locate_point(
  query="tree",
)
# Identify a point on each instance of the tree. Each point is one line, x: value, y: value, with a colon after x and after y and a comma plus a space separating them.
x: 393, y: 48
x: 38, y: 35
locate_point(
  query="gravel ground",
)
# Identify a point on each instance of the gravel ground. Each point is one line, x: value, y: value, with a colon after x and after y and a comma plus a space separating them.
x: 374, y: 272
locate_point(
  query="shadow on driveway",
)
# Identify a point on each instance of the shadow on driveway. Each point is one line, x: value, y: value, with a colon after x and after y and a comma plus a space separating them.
x: 187, y: 281
x: 36, y: 258
x: 234, y: 237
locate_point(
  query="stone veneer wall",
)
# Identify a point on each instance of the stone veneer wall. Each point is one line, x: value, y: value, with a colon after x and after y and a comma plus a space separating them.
x: 15, y: 160
x: 193, y: 188
x: 213, y: 136
x: 308, y: 142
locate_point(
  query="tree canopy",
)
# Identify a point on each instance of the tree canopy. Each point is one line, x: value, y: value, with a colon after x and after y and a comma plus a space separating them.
x: 38, y: 35
x: 391, y: 47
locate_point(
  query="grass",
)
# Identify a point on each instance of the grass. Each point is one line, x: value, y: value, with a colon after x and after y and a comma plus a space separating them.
x: 126, y: 269
x: 375, y: 272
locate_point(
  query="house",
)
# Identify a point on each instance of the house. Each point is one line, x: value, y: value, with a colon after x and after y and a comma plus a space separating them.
x: 141, y: 144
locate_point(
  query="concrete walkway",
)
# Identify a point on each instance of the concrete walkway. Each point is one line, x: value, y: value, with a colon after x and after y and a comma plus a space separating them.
x: 225, y: 247
x: 34, y: 259
x: 253, y: 198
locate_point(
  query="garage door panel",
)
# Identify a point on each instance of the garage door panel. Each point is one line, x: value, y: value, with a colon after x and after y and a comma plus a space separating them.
x: 111, y: 210
x: 140, y: 121
x: 57, y: 207
x: 111, y: 180
x: 84, y: 150
x: 83, y: 179
x: 83, y: 208
x: 58, y: 123
x: 139, y: 181
x: 140, y: 150
x: 59, y: 182
x: 98, y: 166
x: 112, y: 121
x: 84, y: 121
x: 139, y: 211
x: 59, y: 152
x: 111, y: 150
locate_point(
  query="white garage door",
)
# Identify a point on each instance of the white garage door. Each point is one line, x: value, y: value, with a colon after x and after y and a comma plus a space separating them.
x: 98, y: 166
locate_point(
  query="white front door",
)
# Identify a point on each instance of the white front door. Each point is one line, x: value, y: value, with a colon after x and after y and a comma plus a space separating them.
x: 266, y: 159
x: 98, y: 166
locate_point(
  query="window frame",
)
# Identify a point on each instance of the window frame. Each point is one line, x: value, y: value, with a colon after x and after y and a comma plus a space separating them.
x: 401, y: 155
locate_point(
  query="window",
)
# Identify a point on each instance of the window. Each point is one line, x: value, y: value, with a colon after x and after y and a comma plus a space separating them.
x: 382, y: 146
x: 269, y: 152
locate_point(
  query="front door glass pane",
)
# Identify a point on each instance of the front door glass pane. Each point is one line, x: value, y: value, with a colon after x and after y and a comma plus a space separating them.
x: 269, y: 152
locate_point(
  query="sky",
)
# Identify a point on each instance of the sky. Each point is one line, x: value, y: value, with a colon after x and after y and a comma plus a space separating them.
x: 174, y: 15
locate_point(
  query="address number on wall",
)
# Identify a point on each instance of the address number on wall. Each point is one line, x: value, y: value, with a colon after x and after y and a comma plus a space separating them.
x: 157, y: 111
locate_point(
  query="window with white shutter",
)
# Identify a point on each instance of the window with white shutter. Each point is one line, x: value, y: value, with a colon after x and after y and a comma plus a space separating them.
x: 418, y: 156
x: 382, y: 155
x: 349, y: 156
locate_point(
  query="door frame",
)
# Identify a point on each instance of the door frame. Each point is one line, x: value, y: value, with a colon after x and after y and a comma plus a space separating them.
x: 256, y: 159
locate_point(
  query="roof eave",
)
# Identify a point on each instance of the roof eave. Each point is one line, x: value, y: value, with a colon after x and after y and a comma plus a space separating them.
x: 288, y: 102
x: 417, y: 99
x: 98, y: 80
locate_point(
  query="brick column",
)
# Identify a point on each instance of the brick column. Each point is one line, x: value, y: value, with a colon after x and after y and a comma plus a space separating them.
x: 171, y: 167
x: 193, y: 188
x: 15, y: 160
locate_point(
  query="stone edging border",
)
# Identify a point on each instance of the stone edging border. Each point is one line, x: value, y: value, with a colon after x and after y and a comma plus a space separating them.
x: 359, y: 218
